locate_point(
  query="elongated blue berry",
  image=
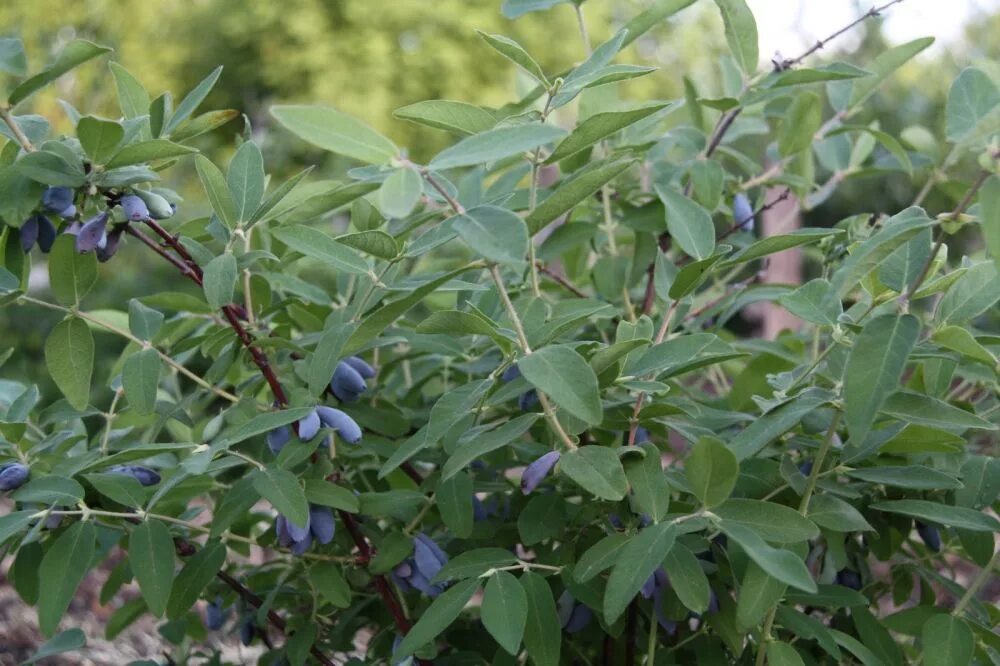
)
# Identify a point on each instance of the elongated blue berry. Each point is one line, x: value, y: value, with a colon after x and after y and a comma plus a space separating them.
x: 511, y: 373
x: 578, y: 619
x: 46, y: 234
x: 359, y: 364
x: 930, y: 536
x: 347, y: 383
x: 277, y: 438
x: 743, y: 212
x: 346, y: 427
x: 143, y: 475
x: 428, y: 556
x: 91, y: 233
x: 135, y: 209
x: 247, y: 630
x: 29, y: 233
x: 806, y: 468
x: 538, y: 470
x: 13, y: 476
x: 215, y: 614
x: 848, y: 578
x: 296, y: 531
x: 107, y: 249
x: 57, y: 199
x: 321, y: 523
x: 309, y: 426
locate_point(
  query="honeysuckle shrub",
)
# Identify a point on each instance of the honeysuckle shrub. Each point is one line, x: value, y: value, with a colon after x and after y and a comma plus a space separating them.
x: 493, y: 408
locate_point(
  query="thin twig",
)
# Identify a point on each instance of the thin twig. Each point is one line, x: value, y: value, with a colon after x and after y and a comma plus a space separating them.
x: 560, y: 280
x: 15, y: 129
x: 871, y: 13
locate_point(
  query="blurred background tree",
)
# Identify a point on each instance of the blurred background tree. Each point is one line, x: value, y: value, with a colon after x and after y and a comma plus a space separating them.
x: 369, y: 58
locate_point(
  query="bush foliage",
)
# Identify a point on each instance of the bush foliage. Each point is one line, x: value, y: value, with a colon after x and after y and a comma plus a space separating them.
x: 506, y: 414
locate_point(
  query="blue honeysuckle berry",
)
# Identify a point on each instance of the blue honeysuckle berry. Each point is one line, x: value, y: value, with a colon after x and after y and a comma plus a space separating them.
x: 277, y: 438
x: 92, y: 233
x: 347, y: 384
x: 58, y: 200
x: 417, y: 571
x: 143, y: 475
x: 215, y: 614
x: 511, y: 373
x: 806, y: 468
x: 108, y: 249
x: 13, y: 476
x: 346, y: 427
x: 298, y: 538
x: 649, y: 587
x: 573, y: 616
x: 309, y: 426
x: 743, y: 212
x: 29, y: 233
x: 46, y: 234
x: 849, y: 578
x: 930, y: 536
x: 538, y: 470
x: 526, y: 400
x: 135, y: 208
x: 247, y: 630
x: 641, y: 435
x: 361, y: 366
x: 321, y: 523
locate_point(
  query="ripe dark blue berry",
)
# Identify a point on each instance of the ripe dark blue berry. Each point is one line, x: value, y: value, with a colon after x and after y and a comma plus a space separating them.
x: 359, y: 364
x: 848, y: 578
x: 309, y: 426
x: 930, y: 536
x: 215, y: 614
x: 135, y: 209
x: 92, y: 234
x: 346, y: 427
x: 743, y: 212
x: 110, y: 247
x: 347, y: 383
x: 29, y: 233
x: 59, y: 200
x: 538, y: 470
x: 46, y: 234
x: 13, y: 475
x: 143, y: 475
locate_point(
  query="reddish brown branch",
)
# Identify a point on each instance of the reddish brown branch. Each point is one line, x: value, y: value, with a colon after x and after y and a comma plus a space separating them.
x: 560, y: 280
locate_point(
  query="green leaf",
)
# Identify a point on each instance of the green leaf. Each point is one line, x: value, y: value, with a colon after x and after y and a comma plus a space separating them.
x: 902, y: 268
x: 65, y: 641
x: 220, y: 280
x: 780, y: 564
x: 495, y: 144
x: 598, y: 127
x: 961, y: 340
x: 148, y: 151
x: 454, y: 502
x: 836, y: 71
x: 693, y: 274
x: 924, y: 410
x: 330, y: 582
x: 326, y: 356
x: 132, y: 96
x: 236, y: 504
x: 774, y: 522
x: 741, y: 33
x: 318, y: 245
x: 151, y: 554
x: 687, y: 578
x: 947, y: 640
x: 800, y: 124
x: 12, y: 59
x: 596, y: 469
x: 51, y: 489
x: 915, y: 477
x: 373, y: 241
x: 870, y: 254
x: 972, y: 96
x: 884, y: 65
x: 835, y: 514
x: 51, y: 168
x: 505, y: 610
x: 327, y: 493
x: 282, y: 489
x: 542, y: 633
x: 203, y: 123
x: 779, y: 243
x: 780, y: 653
x: 197, y: 574
x: 456, y: 322
x: 773, y: 424
x: 486, y: 442
x: 144, y: 322
x: 689, y: 224
x: 989, y: 217
x: 658, y: 11
x: 514, y: 52
x: 643, y: 554
x: 683, y: 354
x: 65, y: 565
x: 99, y: 138
x: 571, y: 192
x: 975, y: 292
x: 876, y: 637
x: 73, y: 54
x: 69, y: 357
x: 874, y: 366
x: 260, y: 424
x: 495, y: 233
x: 217, y: 190
x: 337, y: 132
x: 758, y: 594
x: 712, y: 471
x: 951, y: 516
x: 513, y: 9
x: 473, y: 563
x: 542, y: 518
x: 562, y: 374
x: 192, y: 100
x: 278, y: 195
x: 815, y: 302
x: 400, y: 192
x: 444, y: 610
x: 140, y: 378
x: 650, y: 490
x: 246, y: 181
x: 458, y: 117
x: 71, y: 275
x: 121, y: 488
x: 602, y: 555
x: 13, y: 523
